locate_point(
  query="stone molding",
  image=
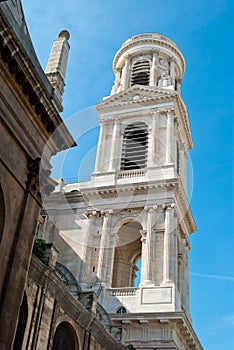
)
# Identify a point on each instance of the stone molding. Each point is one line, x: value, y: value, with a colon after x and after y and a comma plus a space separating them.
x: 32, y: 85
x: 161, y: 41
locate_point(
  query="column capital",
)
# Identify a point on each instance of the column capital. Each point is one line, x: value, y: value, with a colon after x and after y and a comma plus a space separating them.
x: 170, y: 113
x: 168, y: 206
x: 107, y: 212
x: 151, y: 208
x: 143, y: 235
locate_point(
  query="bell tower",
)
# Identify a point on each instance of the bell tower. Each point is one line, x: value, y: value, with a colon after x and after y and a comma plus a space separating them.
x: 138, y: 215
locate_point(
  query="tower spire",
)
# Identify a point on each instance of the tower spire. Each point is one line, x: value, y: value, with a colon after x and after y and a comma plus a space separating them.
x: 57, y: 63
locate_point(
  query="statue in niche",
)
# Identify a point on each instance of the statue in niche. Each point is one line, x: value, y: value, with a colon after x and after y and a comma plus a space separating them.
x: 164, y: 76
x: 165, y: 80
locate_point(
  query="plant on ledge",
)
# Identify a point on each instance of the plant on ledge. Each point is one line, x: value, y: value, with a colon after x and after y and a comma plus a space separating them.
x: 39, y: 247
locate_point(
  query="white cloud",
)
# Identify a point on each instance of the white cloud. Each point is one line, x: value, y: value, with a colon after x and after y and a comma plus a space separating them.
x: 220, y: 277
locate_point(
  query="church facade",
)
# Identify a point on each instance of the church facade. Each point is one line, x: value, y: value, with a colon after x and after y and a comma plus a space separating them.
x: 41, y: 306
x: 124, y: 235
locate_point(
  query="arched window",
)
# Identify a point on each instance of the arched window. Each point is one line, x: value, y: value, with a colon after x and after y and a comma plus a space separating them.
x: 64, y: 338
x: 140, y: 72
x: 135, y: 143
x: 2, y: 213
x: 121, y: 310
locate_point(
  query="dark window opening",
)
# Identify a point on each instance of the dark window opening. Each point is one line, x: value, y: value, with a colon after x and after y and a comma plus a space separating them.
x: 121, y: 310
x: 140, y: 73
x: 63, y: 339
x: 135, y: 143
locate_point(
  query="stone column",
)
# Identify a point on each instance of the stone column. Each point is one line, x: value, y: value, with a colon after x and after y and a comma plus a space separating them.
x: 125, y: 73
x: 102, y: 263
x: 153, y: 72
x: 100, y: 147
x: 114, y: 146
x: 168, y: 245
x: 170, y: 138
x: 147, y: 246
x: 85, y: 269
x: 152, y: 142
x: 172, y: 72
x: 143, y: 256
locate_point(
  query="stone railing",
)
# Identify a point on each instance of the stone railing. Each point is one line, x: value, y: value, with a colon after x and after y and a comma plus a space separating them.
x: 150, y: 36
x: 124, y: 291
x: 128, y: 174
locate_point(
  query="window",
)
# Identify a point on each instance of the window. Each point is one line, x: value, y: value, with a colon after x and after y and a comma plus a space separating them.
x: 121, y: 310
x: 140, y: 72
x: 63, y: 338
x: 135, y: 143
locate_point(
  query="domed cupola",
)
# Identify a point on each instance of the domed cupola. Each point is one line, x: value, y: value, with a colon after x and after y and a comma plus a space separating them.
x: 150, y: 60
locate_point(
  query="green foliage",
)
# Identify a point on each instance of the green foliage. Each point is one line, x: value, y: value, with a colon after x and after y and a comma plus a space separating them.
x: 39, y: 247
x: 130, y: 347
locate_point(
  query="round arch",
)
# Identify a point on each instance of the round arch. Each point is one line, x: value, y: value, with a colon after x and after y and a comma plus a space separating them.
x: 65, y: 337
x: 127, y: 220
x: 127, y: 252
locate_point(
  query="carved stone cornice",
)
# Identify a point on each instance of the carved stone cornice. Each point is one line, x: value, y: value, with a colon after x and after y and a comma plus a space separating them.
x: 151, y: 39
x: 34, y: 85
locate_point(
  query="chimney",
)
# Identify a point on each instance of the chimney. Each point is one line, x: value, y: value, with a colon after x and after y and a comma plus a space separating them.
x: 57, y: 63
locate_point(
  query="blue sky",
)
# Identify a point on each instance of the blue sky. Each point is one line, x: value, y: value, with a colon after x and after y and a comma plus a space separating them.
x: 203, y: 30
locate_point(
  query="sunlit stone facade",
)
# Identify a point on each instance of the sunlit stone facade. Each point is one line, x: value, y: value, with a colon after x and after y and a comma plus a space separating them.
x: 135, y: 207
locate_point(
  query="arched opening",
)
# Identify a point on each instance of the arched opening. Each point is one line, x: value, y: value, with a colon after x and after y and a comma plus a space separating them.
x: 2, y: 213
x: 135, y: 144
x: 140, y: 73
x: 127, y: 254
x: 138, y: 273
x: 121, y: 310
x: 22, y: 321
x: 64, y: 338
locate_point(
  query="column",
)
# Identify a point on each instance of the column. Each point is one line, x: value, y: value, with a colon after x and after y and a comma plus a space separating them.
x: 125, y: 73
x: 170, y: 138
x: 100, y: 147
x: 153, y: 72
x: 102, y: 268
x: 147, y: 246
x: 152, y: 142
x: 143, y: 256
x: 114, y: 146
x: 172, y: 72
x: 85, y: 266
x: 168, y: 244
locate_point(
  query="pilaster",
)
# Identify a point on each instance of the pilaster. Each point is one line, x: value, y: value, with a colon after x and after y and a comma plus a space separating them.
x: 100, y: 147
x: 153, y: 72
x: 170, y: 138
x: 101, y: 269
x: 168, y: 263
x: 114, y: 146
x: 125, y: 73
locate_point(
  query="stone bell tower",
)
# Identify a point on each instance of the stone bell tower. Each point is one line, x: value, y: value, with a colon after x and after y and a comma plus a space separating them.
x: 137, y: 206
